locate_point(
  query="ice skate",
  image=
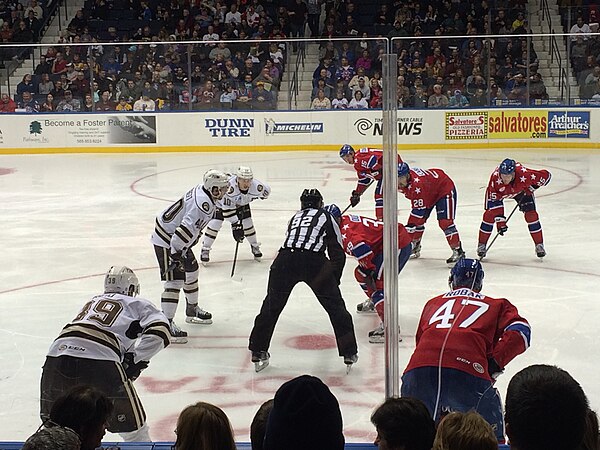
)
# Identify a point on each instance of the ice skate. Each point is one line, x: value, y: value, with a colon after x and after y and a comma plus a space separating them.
x: 540, y: 251
x: 197, y: 315
x: 457, y: 253
x: 205, y: 255
x: 481, y: 251
x: 260, y: 360
x: 349, y: 360
x: 366, y: 307
x: 416, y: 249
x: 377, y: 336
x: 256, y: 251
x: 178, y: 336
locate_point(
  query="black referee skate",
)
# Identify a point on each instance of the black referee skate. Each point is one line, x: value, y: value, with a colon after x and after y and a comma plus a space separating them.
x: 197, y: 315
x: 349, y: 360
x: 178, y: 336
x: 260, y: 360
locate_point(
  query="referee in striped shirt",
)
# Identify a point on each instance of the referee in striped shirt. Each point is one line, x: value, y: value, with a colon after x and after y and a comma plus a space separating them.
x: 310, y: 233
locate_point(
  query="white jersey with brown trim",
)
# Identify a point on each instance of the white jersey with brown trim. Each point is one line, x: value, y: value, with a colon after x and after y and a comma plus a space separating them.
x: 109, y: 325
x: 236, y: 197
x: 179, y: 226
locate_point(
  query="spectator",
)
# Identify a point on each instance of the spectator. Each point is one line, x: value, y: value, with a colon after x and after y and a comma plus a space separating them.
x: 297, y: 15
x: 403, y: 423
x: 7, y: 104
x: 145, y: 103
x: 261, y: 98
x: 497, y: 97
x: 204, y: 426
x: 210, y: 35
x: 105, y: 103
x: 591, y: 436
x: 60, y: 64
x: 45, y: 85
x: 540, y: 398
x: 88, y: 104
x: 265, y: 77
x: 301, y: 404
x: 26, y: 84
x: 130, y: 91
x: 580, y: 28
x: 220, y: 49
x: 228, y: 97
x: 23, y: 34
x: 77, y: 23
x: 43, y: 66
x: 537, y: 89
x: 123, y: 105
x: 85, y: 410
x: 340, y: 101
x: 53, y: 438
x: 375, y: 94
x: 420, y: 99
x: 437, y: 99
x: 33, y: 24
x: 479, y: 99
x: 364, y: 88
x: 207, y: 96
x: 68, y: 103
x: 360, y: 73
x: 321, y: 101
x: 345, y: 72
x: 365, y: 62
x: 458, y: 100
x: 233, y: 16
x: 58, y: 92
x: 460, y: 431
x: 28, y: 103
x: 358, y: 102
x: 327, y: 90
x: 259, y: 424
x: 516, y: 89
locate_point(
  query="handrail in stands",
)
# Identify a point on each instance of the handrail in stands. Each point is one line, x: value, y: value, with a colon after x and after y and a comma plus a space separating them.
x: 295, y: 81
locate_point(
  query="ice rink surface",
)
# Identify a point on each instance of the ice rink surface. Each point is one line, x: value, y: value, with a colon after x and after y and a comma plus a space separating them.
x: 67, y: 218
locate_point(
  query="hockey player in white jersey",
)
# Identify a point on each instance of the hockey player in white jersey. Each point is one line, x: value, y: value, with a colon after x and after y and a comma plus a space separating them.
x: 177, y: 230
x: 107, y: 345
x: 235, y: 208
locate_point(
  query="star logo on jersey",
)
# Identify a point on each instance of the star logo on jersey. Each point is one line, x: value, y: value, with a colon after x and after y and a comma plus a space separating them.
x: 523, y: 169
x: 417, y: 190
x: 205, y: 207
x: 345, y: 227
x: 522, y: 179
x: 416, y: 179
x: 533, y: 176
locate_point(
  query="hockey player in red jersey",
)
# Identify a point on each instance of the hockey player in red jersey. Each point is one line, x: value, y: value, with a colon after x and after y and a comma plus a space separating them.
x: 464, y: 340
x: 368, y: 163
x: 428, y: 189
x: 362, y: 238
x: 512, y: 180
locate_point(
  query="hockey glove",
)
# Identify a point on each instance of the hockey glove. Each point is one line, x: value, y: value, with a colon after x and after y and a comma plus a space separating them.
x: 176, y: 262
x: 133, y: 370
x: 501, y: 225
x: 533, y: 188
x: 354, y: 198
x: 237, y: 229
x: 494, y: 369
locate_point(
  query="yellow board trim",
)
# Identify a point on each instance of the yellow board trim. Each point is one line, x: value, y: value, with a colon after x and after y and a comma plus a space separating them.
x: 567, y: 144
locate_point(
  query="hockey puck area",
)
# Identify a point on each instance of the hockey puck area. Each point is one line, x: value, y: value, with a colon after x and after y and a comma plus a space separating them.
x: 311, y: 342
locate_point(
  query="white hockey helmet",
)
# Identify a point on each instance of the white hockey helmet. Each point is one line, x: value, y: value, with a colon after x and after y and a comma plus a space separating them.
x: 215, y: 179
x: 245, y: 173
x: 121, y: 280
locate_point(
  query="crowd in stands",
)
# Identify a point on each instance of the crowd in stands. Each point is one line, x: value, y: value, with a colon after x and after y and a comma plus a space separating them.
x: 584, y: 48
x: 545, y: 409
x: 432, y: 72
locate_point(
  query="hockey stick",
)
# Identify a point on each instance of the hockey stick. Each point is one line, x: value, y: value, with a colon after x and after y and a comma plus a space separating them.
x: 498, y: 233
x: 237, y: 246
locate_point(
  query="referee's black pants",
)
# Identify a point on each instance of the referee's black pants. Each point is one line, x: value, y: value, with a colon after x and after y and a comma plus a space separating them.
x: 288, y: 269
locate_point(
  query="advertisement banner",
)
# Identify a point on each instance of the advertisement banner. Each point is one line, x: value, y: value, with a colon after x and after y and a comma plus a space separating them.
x: 518, y: 124
x: 569, y: 124
x: 466, y: 125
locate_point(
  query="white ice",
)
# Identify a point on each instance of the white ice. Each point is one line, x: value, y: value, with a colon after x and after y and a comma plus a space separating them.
x: 67, y: 218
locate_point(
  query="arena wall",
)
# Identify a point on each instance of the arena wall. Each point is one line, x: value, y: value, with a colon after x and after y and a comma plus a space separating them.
x: 304, y: 130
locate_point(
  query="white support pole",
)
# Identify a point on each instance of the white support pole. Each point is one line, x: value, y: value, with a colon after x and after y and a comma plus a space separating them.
x: 390, y: 224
